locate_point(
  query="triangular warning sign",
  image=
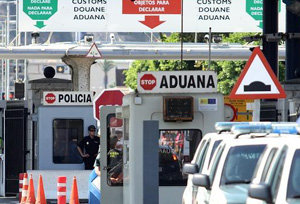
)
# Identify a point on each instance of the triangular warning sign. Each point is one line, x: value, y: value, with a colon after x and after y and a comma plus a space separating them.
x: 257, y: 80
x: 94, y: 52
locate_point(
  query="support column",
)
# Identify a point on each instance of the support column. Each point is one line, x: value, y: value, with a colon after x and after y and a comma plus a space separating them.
x: 270, y: 50
x: 292, y: 59
x: 270, y: 26
x: 80, y: 71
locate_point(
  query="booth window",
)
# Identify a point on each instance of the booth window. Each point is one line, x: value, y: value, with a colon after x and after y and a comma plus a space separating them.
x: 66, y: 135
x: 176, y: 147
x: 115, y: 138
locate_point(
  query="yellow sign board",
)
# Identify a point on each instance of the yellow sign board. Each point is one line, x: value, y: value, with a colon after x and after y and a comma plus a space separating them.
x: 238, y: 109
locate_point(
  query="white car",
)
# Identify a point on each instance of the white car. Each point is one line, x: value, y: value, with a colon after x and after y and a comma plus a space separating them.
x: 281, y: 181
x: 203, y: 156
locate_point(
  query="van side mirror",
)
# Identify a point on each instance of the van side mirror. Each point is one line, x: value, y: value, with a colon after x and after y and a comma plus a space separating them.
x: 190, y: 168
x: 260, y: 191
x: 202, y: 180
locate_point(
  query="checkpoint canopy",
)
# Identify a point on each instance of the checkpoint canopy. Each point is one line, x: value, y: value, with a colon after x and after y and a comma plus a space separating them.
x: 257, y: 80
x: 144, y: 15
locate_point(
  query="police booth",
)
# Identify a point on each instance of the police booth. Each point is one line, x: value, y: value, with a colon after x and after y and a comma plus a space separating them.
x: 161, y: 125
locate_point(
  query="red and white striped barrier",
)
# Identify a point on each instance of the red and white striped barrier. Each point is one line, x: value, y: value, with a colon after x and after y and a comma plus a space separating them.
x: 61, y: 190
x: 21, y: 176
x: 24, y: 189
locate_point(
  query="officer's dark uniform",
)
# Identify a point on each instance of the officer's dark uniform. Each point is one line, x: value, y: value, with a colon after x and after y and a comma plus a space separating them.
x: 90, y: 146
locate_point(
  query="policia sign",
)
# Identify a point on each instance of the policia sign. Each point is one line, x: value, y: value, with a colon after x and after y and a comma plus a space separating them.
x: 68, y: 98
x: 177, y: 82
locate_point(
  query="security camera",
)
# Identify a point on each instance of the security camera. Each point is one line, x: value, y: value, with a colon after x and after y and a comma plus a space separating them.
x: 217, y: 38
x: 34, y: 37
x: 112, y: 36
x: 88, y: 38
x: 206, y: 37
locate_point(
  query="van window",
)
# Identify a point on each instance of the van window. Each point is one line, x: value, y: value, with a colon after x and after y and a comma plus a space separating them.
x: 216, y: 144
x: 293, y: 190
x: 240, y: 163
x: 215, y: 163
x: 66, y: 135
x: 268, y: 164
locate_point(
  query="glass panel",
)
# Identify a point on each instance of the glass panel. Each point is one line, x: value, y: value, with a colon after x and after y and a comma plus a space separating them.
x: 216, y: 144
x: 268, y: 164
x: 293, y: 190
x: 66, y: 135
x: 175, y: 148
x: 115, y: 142
x: 240, y: 164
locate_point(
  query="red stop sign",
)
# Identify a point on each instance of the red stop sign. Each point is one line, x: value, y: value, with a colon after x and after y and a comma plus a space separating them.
x: 50, y: 98
x: 107, y: 97
x: 148, y: 81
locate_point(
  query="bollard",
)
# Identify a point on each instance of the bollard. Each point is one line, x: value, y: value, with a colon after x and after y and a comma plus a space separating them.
x: 61, y: 190
x: 21, y: 176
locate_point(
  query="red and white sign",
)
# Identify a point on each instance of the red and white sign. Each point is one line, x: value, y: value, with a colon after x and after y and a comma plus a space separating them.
x: 148, y: 82
x: 94, y: 52
x: 66, y: 98
x: 257, y: 80
x: 177, y: 82
x: 152, y: 7
x: 50, y: 98
x: 107, y: 97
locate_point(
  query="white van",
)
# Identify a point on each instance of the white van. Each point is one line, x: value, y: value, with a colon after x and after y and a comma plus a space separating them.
x: 203, y: 156
x: 228, y: 178
x: 280, y: 182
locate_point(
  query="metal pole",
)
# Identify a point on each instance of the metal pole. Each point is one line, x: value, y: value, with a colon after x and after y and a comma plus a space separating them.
x: 25, y: 69
x: 7, y: 61
x: 2, y: 61
x: 181, y: 36
x: 209, y: 48
x: 17, y: 40
x: 270, y: 26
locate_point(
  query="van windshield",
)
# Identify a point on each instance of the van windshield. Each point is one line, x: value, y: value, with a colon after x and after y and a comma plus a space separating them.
x: 240, y: 164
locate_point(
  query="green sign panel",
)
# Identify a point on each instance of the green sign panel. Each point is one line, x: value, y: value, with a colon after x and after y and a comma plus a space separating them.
x: 40, y: 10
x: 255, y: 9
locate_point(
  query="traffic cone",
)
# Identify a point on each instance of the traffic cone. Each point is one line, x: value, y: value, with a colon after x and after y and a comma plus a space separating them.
x: 40, y: 199
x: 74, y: 193
x: 24, y: 189
x: 31, y: 197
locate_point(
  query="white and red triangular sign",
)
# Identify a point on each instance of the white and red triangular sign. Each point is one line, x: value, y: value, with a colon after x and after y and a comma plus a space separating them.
x: 257, y: 80
x: 94, y: 52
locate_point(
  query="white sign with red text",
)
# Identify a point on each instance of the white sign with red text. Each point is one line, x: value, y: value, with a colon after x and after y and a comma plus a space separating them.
x: 177, y: 82
x: 55, y: 98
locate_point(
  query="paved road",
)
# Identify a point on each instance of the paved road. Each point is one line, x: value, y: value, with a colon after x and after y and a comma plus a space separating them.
x: 8, y: 200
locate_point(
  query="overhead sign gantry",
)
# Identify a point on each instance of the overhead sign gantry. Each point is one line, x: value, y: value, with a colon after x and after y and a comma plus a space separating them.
x: 144, y: 15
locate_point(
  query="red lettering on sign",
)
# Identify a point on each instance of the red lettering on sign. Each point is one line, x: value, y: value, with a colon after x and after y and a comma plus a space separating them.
x: 148, y: 82
x: 152, y: 7
x: 50, y: 98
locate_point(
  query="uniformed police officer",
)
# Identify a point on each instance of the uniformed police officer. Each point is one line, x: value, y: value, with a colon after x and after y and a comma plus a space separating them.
x: 88, y: 148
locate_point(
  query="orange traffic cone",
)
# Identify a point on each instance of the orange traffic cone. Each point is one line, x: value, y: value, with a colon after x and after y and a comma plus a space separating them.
x: 74, y: 193
x: 31, y: 197
x: 40, y: 199
x: 24, y: 189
